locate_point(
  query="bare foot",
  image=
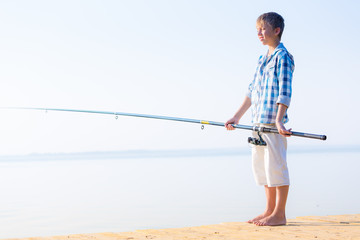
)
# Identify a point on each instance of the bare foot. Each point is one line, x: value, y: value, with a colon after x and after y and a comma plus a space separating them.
x: 272, y: 220
x: 261, y: 216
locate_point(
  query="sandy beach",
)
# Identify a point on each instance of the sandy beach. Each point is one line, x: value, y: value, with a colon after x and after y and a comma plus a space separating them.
x: 311, y: 227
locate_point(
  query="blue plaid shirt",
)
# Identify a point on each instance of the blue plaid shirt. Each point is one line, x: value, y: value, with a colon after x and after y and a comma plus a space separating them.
x: 271, y: 86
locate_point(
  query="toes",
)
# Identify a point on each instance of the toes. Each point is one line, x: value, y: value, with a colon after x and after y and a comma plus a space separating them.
x: 258, y: 223
x: 261, y: 223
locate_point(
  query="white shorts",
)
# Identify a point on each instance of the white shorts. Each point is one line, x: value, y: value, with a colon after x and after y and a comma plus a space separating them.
x: 269, y: 162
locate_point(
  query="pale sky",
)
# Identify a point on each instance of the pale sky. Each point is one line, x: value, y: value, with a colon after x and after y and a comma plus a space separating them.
x: 191, y: 59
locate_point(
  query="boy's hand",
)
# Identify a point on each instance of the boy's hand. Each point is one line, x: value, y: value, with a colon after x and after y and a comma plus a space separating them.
x: 282, y: 130
x: 231, y: 121
x: 236, y: 118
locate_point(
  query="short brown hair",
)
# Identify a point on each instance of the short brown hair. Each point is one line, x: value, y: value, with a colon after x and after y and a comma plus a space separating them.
x: 273, y: 19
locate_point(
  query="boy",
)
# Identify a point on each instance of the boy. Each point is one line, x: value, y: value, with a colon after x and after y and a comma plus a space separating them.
x: 269, y: 97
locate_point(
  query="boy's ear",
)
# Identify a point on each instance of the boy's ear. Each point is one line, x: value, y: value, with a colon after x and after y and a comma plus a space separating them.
x: 277, y: 31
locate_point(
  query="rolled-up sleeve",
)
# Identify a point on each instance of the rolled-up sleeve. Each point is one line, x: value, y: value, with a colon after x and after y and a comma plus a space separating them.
x: 285, y: 72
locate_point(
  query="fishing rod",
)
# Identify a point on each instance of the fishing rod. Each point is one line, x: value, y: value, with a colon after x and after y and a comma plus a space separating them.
x: 203, y: 122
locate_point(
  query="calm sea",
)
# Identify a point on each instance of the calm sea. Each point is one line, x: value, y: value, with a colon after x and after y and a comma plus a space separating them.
x: 59, y: 194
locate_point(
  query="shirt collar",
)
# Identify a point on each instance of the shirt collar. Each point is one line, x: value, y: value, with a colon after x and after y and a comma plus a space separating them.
x: 278, y: 48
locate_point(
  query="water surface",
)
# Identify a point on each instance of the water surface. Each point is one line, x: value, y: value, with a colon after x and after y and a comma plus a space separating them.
x: 60, y: 194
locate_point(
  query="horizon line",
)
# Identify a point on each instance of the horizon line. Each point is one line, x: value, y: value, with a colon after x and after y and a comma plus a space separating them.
x: 171, y: 153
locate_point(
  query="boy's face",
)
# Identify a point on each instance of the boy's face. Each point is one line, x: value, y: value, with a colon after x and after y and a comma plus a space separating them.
x: 267, y: 35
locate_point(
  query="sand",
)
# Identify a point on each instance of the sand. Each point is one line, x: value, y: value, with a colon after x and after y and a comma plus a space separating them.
x: 328, y: 227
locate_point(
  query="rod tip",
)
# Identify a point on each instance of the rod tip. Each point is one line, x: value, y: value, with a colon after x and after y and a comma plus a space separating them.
x: 323, y: 137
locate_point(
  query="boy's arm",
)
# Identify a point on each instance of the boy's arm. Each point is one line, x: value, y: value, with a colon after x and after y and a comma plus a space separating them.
x: 236, y: 118
x: 279, y: 123
x: 285, y: 73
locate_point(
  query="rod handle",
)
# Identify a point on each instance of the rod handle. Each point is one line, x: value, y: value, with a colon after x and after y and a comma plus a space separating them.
x: 297, y: 134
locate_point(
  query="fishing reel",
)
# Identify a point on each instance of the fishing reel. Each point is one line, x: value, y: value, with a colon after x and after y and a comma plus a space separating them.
x: 257, y: 141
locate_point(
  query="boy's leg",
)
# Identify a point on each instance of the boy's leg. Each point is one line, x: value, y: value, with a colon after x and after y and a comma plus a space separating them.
x: 270, y: 193
x: 258, y: 165
x: 277, y: 176
x: 277, y: 217
x: 269, y: 164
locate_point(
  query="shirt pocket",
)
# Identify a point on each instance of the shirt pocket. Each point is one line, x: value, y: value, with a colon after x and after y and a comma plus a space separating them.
x: 270, y: 70
x: 270, y: 66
